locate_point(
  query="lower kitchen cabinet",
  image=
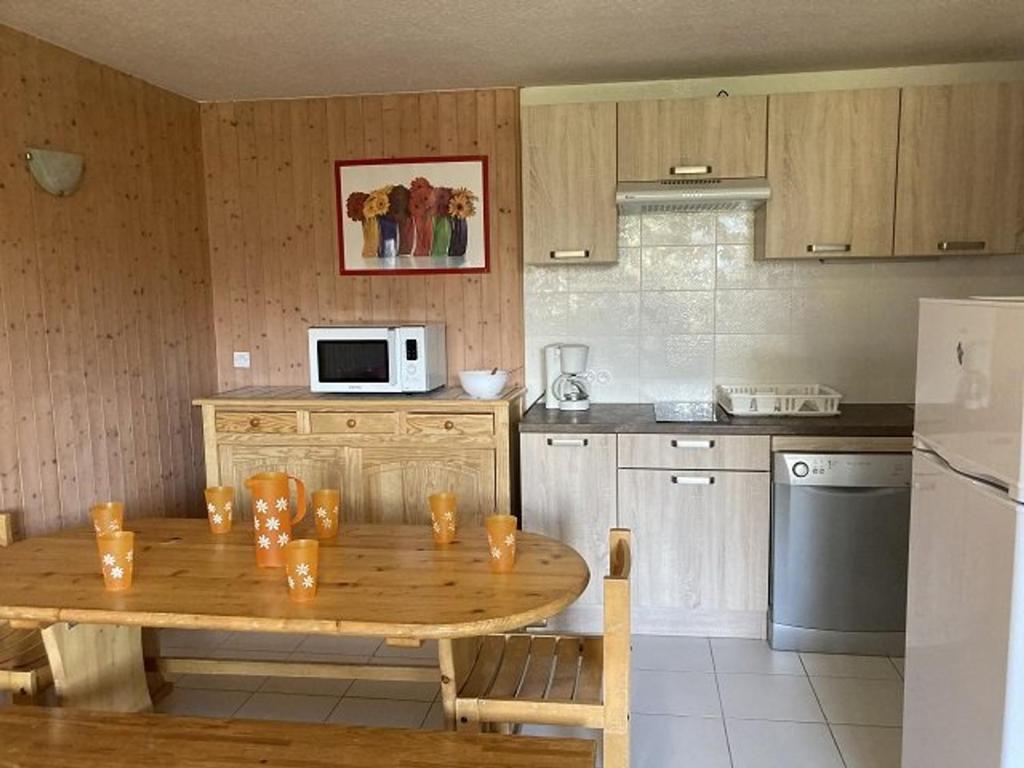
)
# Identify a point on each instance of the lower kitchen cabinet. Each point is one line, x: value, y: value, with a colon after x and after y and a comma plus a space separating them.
x: 385, y: 454
x: 568, y: 493
x: 701, y: 547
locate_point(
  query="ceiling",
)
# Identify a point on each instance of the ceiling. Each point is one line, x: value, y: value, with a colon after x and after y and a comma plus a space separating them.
x: 249, y: 49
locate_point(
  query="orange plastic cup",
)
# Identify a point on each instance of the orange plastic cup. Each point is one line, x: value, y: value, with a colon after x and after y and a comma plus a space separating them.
x: 117, y: 556
x: 107, y: 517
x: 326, y: 503
x: 301, y: 564
x: 443, y: 516
x: 220, y: 502
x: 501, y: 540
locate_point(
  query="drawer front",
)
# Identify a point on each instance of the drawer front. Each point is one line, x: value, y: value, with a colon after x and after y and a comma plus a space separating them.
x: 354, y: 423
x: 270, y: 423
x: 449, y: 424
x: 668, y: 451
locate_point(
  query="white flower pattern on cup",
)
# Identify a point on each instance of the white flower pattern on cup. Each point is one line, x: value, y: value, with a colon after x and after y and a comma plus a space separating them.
x: 282, y: 539
x: 130, y: 556
x: 228, y: 506
x: 256, y: 523
x: 281, y: 504
x: 273, y: 524
x: 217, y: 518
x: 263, y: 542
x: 496, y: 553
x: 109, y: 559
x: 211, y: 508
x: 117, y: 572
x: 291, y: 583
x: 308, y: 582
x: 302, y: 569
x: 321, y: 512
x: 262, y: 507
x: 510, y: 541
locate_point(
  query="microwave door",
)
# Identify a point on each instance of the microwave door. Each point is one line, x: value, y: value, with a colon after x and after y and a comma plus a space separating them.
x: 360, y: 360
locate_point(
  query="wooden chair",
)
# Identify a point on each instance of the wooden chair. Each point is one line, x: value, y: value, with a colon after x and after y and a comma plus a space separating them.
x: 560, y: 679
x: 23, y: 667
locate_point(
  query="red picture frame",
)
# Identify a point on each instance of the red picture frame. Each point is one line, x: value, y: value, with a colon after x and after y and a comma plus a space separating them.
x: 448, y: 175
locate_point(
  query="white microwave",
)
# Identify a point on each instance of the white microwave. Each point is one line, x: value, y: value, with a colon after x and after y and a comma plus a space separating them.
x: 377, y: 358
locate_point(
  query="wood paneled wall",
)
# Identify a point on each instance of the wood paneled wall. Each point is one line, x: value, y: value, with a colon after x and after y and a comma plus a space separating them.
x: 104, y: 295
x: 273, y: 237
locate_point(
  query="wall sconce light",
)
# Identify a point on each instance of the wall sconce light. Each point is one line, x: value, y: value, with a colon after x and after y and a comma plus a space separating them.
x: 59, y: 173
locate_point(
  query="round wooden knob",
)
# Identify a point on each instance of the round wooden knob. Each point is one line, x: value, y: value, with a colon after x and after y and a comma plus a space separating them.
x: 449, y: 425
x: 351, y: 423
x: 254, y: 422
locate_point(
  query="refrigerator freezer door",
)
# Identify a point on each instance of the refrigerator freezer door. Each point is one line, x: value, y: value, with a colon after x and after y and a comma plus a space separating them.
x: 970, y: 387
x: 965, y: 611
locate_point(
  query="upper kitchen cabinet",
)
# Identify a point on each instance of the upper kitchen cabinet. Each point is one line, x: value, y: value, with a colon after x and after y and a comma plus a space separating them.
x: 960, y: 187
x: 832, y: 170
x: 569, y: 183
x: 715, y: 138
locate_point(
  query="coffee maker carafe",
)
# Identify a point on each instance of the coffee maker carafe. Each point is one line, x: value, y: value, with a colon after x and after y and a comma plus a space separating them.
x: 565, y: 385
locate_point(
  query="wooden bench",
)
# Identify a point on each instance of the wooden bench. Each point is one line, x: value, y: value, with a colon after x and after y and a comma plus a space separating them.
x: 36, y: 737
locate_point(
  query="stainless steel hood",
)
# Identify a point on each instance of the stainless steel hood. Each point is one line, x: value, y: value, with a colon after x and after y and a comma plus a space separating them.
x: 691, y: 195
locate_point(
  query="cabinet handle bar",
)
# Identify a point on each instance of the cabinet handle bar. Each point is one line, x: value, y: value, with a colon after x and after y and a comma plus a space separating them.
x: 567, y: 255
x: 689, y: 480
x: 828, y: 248
x: 961, y: 245
x: 689, y: 170
x: 568, y: 442
x: 693, y: 443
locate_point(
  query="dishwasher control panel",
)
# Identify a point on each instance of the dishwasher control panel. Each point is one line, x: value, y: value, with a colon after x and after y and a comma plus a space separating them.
x: 843, y: 470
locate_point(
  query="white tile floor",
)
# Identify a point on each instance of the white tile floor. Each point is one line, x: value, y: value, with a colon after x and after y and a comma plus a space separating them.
x: 697, y: 702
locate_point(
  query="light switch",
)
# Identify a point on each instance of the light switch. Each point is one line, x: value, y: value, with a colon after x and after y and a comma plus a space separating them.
x: 241, y: 359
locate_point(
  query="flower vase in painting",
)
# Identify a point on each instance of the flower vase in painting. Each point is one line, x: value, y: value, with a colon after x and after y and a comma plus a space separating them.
x: 460, y: 207
x: 442, y: 222
x: 421, y: 206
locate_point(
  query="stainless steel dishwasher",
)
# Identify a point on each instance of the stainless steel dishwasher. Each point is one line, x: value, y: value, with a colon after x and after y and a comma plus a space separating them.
x: 840, y: 533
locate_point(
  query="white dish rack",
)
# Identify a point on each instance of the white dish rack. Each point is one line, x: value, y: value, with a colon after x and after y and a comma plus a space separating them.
x: 778, y: 400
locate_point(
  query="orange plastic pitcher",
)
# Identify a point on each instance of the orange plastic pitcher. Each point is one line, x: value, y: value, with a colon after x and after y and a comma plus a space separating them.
x: 271, y: 516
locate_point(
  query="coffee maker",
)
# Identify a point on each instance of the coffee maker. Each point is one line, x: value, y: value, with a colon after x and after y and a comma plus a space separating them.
x: 565, y: 386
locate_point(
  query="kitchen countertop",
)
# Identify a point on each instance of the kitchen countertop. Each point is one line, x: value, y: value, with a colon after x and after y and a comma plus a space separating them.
x: 854, y: 420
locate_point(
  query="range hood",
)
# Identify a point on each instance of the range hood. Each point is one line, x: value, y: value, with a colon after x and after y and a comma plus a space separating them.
x: 691, y: 195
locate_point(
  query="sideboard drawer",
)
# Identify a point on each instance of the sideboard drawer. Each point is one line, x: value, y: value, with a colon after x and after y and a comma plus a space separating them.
x: 273, y: 423
x: 449, y: 424
x: 354, y: 422
x: 710, y: 451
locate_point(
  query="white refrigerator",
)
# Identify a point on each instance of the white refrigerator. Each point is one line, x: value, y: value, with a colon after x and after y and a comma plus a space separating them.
x: 964, y: 696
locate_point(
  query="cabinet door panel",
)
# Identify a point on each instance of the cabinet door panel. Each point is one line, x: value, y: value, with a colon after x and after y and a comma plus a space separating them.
x: 701, y: 549
x: 724, y: 135
x: 316, y: 467
x: 832, y: 169
x: 568, y: 484
x: 961, y: 170
x: 394, y: 483
x: 569, y: 183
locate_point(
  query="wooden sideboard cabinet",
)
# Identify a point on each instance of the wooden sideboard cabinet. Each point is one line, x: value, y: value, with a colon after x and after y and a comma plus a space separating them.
x: 387, y: 453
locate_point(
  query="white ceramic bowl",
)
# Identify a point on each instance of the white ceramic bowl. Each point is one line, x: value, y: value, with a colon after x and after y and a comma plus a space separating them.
x: 481, y: 385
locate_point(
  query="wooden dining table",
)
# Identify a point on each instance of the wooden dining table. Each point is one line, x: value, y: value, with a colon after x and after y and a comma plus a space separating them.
x: 375, y: 580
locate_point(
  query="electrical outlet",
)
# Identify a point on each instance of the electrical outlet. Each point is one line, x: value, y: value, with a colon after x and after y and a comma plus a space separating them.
x: 241, y: 359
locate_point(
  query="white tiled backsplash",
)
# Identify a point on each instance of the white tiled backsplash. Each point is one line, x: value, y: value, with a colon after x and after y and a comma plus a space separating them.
x: 686, y: 307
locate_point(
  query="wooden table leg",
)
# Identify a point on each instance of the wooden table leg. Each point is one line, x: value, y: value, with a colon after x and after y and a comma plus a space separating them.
x: 455, y: 658
x: 98, y: 667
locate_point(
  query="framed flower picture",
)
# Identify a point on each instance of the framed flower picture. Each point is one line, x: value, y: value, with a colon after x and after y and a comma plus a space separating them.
x: 412, y: 215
